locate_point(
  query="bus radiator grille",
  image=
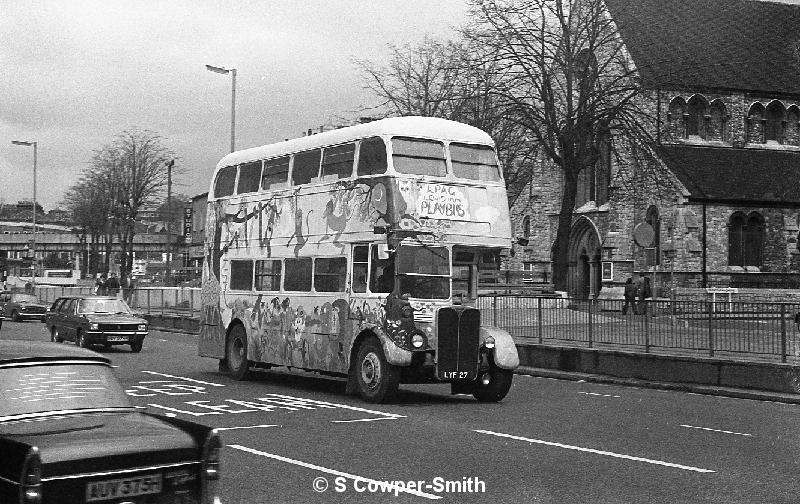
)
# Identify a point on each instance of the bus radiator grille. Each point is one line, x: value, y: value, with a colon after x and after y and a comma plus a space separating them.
x: 458, y: 337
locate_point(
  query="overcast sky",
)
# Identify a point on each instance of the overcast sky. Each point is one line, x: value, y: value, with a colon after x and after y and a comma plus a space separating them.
x: 76, y: 73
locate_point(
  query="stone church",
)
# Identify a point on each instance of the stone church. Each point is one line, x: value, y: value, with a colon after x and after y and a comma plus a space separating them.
x: 722, y: 80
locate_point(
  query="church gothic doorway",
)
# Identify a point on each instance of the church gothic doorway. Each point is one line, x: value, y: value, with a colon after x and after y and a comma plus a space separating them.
x: 584, y: 279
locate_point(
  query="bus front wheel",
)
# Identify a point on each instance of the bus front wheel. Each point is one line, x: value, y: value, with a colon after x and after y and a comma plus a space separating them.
x: 377, y: 379
x: 493, y: 385
x: 236, y: 354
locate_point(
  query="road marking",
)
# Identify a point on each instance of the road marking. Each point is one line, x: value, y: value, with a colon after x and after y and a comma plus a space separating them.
x: 598, y: 452
x: 331, y: 471
x: 184, y: 378
x: 716, y: 430
x: 597, y: 394
x: 247, y: 427
x: 367, y: 419
x: 343, y: 406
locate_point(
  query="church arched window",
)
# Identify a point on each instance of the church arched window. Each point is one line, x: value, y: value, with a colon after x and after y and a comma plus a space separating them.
x: 718, y: 118
x: 792, y: 130
x: 676, y: 118
x: 775, y: 117
x: 696, y: 110
x: 755, y: 123
x: 745, y: 239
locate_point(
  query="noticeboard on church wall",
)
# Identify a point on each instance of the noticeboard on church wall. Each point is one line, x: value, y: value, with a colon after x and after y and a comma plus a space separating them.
x: 608, y: 270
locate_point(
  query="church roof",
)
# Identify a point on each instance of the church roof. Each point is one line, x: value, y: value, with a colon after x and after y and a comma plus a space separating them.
x: 725, y: 45
x: 736, y: 175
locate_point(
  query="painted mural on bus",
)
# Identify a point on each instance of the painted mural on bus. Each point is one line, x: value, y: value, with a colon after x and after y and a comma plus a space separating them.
x: 356, y: 252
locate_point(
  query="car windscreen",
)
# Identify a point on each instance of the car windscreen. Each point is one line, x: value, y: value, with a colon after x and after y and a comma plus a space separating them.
x: 102, y: 306
x: 58, y: 387
x: 24, y: 298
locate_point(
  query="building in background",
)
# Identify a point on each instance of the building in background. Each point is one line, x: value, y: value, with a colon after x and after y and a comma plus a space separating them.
x: 723, y: 89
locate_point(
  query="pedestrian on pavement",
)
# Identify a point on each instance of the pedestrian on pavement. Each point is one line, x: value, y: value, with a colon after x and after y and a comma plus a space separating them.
x: 100, y: 284
x: 630, y: 296
x: 644, y: 293
x: 113, y: 285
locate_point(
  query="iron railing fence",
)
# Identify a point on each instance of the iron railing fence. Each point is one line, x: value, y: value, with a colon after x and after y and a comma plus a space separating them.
x: 711, y: 328
x: 164, y: 301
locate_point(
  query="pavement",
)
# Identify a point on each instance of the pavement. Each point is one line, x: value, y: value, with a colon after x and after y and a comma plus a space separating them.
x: 758, y: 395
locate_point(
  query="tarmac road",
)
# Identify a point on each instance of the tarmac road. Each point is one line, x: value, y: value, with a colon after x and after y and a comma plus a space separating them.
x: 294, y: 437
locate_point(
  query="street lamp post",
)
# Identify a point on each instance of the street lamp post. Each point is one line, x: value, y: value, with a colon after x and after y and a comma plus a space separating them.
x: 231, y: 71
x: 33, y: 247
x: 168, y: 276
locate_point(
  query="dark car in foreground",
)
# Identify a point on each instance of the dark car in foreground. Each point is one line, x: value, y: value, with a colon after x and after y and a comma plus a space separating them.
x: 68, y: 434
x: 19, y: 306
x: 95, y: 320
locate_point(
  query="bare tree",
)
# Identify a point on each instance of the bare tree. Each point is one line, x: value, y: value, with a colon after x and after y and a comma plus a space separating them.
x: 122, y: 177
x: 90, y: 205
x: 451, y: 80
x: 563, y: 75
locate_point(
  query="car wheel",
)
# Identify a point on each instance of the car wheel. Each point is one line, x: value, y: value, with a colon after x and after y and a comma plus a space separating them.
x: 54, y: 336
x: 377, y: 380
x: 493, y: 385
x: 136, y: 346
x: 80, y: 340
x: 236, y: 354
x: 15, y: 316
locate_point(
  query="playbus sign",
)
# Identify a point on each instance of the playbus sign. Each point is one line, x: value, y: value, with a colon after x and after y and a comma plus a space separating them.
x: 437, y: 201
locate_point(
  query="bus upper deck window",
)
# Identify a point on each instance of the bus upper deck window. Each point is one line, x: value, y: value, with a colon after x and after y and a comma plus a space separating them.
x: 276, y: 172
x: 337, y: 162
x: 475, y: 162
x: 249, y: 178
x: 306, y: 166
x: 372, y: 157
x: 226, y: 178
x: 418, y: 157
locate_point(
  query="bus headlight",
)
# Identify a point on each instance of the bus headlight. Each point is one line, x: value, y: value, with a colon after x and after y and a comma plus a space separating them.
x: 418, y: 340
x: 489, y: 343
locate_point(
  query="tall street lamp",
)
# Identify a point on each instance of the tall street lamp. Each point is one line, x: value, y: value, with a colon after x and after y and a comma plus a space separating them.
x: 168, y: 276
x: 231, y: 71
x: 33, y: 247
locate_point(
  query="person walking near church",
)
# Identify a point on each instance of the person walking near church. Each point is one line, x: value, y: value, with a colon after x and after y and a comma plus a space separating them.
x: 630, y: 296
x: 644, y: 293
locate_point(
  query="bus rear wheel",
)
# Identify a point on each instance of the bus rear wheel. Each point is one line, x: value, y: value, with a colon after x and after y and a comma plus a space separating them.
x: 377, y: 380
x: 236, y: 354
x: 493, y: 385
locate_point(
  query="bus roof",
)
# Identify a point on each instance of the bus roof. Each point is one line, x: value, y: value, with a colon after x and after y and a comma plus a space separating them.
x: 415, y: 126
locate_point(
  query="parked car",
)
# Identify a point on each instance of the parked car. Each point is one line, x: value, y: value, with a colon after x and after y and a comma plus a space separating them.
x: 95, y: 320
x: 19, y: 306
x: 69, y: 434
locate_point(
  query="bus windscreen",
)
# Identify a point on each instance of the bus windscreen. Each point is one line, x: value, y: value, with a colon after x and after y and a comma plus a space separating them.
x: 424, y: 272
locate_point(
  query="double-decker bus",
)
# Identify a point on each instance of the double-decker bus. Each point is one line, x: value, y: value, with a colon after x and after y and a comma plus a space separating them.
x: 356, y: 252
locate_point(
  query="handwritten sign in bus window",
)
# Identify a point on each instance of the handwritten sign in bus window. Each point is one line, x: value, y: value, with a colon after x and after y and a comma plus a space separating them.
x: 438, y: 201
